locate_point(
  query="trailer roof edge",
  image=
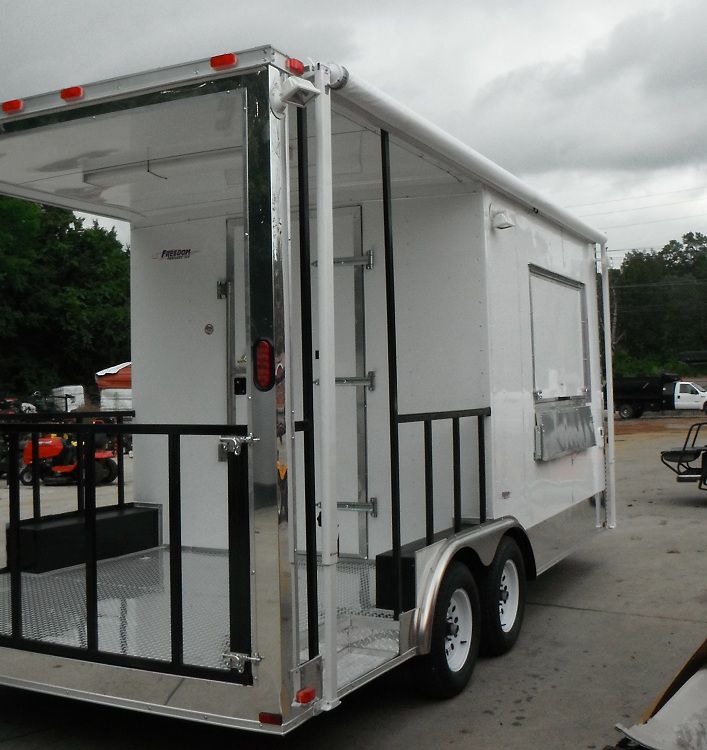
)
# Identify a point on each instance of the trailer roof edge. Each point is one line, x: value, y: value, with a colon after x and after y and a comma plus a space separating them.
x: 399, y: 119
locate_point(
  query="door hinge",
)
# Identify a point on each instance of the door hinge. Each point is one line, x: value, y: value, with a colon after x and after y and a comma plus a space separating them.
x: 237, y: 662
x: 223, y: 287
x: 370, y: 507
x: 367, y: 380
x: 365, y: 260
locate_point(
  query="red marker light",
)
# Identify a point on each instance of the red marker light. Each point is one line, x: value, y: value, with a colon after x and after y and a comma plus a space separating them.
x: 266, y: 718
x: 71, y: 93
x: 264, y: 365
x: 296, y: 66
x: 13, y: 106
x: 306, y: 695
x: 227, y: 60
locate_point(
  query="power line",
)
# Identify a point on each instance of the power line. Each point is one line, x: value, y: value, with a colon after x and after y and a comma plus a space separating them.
x: 643, y: 208
x: 637, y: 197
x: 686, y: 282
x: 655, y: 221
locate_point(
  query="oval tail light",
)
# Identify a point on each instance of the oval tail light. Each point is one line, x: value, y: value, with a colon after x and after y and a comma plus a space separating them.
x: 264, y: 369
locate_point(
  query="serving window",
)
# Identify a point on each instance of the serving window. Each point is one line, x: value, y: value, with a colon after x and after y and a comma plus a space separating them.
x: 559, y: 337
x: 558, y: 317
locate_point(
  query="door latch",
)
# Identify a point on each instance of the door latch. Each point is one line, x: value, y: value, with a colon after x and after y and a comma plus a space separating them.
x: 233, y: 444
x: 237, y: 662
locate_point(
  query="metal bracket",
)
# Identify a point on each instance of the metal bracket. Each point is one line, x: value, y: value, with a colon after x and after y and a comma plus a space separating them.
x: 237, y: 662
x: 233, y: 444
x: 222, y: 289
x: 365, y: 260
x: 370, y: 507
x: 368, y: 380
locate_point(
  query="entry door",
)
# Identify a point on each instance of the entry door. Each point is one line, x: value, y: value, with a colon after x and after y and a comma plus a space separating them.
x: 352, y: 381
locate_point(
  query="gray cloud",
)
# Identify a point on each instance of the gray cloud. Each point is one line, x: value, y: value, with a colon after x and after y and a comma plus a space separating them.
x: 639, y: 102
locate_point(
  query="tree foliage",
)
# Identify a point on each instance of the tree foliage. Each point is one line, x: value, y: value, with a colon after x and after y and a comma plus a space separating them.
x: 64, y: 298
x: 660, y: 305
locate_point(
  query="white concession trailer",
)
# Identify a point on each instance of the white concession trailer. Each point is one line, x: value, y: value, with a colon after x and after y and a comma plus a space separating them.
x: 367, y: 388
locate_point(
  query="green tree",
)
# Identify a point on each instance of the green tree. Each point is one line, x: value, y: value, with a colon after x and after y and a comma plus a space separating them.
x: 64, y: 298
x: 660, y: 305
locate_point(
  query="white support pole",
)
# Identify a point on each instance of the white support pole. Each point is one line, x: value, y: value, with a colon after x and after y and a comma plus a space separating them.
x: 608, y: 362
x: 326, y: 432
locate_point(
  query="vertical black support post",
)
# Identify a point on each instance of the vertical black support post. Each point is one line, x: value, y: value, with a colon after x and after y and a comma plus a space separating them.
x: 482, y: 469
x: 239, y: 577
x: 175, y: 549
x: 80, y: 469
x: 429, y: 485
x: 456, y: 452
x: 14, y: 560
x: 89, y: 446
x: 310, y: 500
x: 392, y: 371
x: 36, y: 502
x: 121, y: 464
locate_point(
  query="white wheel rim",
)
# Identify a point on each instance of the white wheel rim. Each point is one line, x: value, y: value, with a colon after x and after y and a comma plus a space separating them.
x: 457, y: 642
x: 508, y: 596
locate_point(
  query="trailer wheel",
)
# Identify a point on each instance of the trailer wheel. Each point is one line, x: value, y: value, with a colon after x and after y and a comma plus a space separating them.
x: 456, y: 631
x: 626, y: 411
x: 503, y: 599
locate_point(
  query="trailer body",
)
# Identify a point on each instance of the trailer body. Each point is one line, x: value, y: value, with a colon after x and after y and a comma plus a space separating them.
x: 365, y: 359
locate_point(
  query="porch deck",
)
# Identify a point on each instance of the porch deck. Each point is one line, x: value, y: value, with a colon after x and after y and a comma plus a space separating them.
x: 134, y: 609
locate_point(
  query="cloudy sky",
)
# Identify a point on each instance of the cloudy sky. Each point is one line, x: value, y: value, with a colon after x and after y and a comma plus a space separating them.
x: 600, y: 105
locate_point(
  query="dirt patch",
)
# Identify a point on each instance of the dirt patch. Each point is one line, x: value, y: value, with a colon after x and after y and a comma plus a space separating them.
x: 656, y: 424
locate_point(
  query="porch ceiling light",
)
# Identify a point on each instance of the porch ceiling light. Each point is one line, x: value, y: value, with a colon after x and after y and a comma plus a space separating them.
x: 164, y: 168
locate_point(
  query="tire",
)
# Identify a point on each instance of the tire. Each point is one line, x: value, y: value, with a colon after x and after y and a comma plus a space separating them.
x: 100, y: 471
x: 111, y: 470
x: 26, y: 475
x: 503, y: 599
x: 456, y: 634
x: 626, y: 411
x: 704, y: 407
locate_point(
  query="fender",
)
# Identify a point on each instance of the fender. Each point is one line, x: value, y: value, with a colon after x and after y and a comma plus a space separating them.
x: 483, y: 539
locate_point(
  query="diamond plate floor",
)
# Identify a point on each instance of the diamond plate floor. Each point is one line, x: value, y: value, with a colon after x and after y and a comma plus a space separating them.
x: 134, y: 603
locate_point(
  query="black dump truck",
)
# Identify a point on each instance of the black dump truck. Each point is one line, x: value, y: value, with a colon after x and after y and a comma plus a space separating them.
x: 665, y: 392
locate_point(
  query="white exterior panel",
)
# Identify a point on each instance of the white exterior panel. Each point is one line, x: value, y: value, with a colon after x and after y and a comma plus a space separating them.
x: 530, y: 490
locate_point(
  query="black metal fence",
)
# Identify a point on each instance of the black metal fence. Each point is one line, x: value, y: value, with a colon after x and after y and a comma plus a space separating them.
x: 239, y: 636
x: 426, y: 419
x: 61, y: 424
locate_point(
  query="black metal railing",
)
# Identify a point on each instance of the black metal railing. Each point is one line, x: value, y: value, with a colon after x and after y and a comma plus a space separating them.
x: 61, y: 423
x: 427, y: 418
x: 238, y: 544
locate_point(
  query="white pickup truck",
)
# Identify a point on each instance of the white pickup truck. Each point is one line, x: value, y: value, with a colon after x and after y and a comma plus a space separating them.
x: 633, y: 396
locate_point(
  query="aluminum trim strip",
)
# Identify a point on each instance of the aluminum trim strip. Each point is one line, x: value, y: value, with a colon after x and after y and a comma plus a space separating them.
x: 114, y: 89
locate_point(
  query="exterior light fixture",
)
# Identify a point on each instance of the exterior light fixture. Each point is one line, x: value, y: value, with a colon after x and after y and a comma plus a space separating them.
x: 502, y: 219
x: 297, y: 91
